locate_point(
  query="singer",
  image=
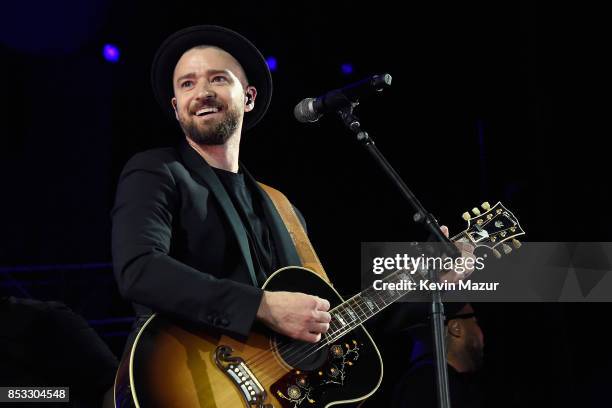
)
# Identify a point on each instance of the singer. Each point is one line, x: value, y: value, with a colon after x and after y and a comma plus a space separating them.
x: 194, y: 235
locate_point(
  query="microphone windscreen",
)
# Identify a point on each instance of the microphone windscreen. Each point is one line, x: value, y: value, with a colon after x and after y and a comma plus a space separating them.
x: 304, y: 111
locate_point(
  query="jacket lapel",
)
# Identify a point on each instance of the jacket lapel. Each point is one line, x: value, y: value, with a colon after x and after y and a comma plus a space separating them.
x: 198, y: 165
x: 285, y: 249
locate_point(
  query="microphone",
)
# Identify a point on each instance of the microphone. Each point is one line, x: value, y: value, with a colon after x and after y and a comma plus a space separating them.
x: 311, y: 109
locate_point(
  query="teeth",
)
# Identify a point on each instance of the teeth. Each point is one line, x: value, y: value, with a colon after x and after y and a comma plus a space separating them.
x: 207, y: 110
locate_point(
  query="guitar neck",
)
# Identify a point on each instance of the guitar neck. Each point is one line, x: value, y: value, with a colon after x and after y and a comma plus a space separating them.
x: 489, y: 229
x: 366, y: 304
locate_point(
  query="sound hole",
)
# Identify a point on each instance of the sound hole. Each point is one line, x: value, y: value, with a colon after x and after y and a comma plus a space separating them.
x: 301, y: 355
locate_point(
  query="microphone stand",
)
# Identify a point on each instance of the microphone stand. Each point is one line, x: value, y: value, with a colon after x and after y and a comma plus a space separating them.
x: 421, y: 216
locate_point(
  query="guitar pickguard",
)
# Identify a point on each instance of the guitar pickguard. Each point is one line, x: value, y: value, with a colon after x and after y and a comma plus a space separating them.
x: 300, y: 388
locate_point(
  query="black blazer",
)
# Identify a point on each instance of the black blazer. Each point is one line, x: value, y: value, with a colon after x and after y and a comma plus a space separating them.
x: 179, y: 246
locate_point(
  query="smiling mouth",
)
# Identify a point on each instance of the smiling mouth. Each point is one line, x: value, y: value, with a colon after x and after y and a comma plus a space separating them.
x: 206, y: 111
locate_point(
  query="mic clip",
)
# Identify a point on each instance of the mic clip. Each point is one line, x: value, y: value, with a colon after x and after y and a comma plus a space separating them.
x: 346, y: 114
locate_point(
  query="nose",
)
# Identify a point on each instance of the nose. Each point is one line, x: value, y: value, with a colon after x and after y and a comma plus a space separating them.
x: 206, y: 91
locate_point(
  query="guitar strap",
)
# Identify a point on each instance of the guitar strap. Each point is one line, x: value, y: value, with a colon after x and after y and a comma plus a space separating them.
x: 304, y: 248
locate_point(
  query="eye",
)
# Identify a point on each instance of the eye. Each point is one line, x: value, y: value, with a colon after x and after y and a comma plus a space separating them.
x: 219, y: 78
x: 186, y: 84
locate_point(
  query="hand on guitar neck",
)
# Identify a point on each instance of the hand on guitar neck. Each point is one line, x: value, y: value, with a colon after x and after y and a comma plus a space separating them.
x: 296, y: 315
x: 467, y: 251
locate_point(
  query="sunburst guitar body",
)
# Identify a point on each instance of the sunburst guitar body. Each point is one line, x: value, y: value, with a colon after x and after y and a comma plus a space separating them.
x: 174, y: 365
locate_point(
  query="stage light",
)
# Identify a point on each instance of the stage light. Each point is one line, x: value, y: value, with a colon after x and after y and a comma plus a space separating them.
x: 347, y: 69
x: 111, y: 53
x: 271, y: 63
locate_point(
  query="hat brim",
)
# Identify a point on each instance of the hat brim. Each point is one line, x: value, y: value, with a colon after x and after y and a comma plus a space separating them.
x: 249, y: 57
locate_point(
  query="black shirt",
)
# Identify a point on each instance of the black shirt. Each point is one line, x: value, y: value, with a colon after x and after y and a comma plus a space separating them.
x: 251, y: 213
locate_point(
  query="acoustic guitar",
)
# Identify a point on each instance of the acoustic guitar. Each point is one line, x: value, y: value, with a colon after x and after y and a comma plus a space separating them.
x: 175, y: 364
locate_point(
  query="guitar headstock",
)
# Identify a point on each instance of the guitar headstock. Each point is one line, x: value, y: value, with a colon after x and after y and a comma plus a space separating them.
x: 492, y: 228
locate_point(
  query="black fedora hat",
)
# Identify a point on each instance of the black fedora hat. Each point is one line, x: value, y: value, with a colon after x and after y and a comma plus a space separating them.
x: 253, y: 63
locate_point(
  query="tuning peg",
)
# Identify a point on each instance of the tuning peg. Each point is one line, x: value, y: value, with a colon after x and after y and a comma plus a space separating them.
x: 466, y: 216
x: 496, y: 253
x: 506, y: 248
x: 476, y: 211
x: 486, y: 206
x: 517, y: 244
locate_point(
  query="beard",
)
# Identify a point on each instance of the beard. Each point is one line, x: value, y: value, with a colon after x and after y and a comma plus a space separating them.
x: 213, y: 134
x: 476, y: 355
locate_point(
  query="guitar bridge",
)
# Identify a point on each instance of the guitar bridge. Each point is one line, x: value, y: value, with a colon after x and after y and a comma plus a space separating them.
x: 239, y: 373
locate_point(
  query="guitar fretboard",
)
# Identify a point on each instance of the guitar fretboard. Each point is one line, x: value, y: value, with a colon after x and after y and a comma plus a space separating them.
x: 366, y: 304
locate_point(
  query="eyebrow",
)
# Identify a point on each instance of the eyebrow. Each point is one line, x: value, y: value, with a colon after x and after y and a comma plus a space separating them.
x: 209, y: 72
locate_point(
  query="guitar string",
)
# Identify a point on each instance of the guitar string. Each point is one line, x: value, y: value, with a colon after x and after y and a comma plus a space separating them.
x: 314, y: 348
x: 357, y: 301
x: 352, y: 304
x: 256, y: 359
x: 390, y: 276
x: 349, y: 327
x: 284, y: 346
x: 308, y: 347
x: 354, y: 324
x: 329, y: 337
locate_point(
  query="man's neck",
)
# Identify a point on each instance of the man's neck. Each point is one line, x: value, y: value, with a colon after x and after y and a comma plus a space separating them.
x: 223, y: 156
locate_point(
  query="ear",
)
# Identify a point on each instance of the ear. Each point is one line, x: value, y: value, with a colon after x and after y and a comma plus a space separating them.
x: 249, y: 98
x: 454, y: 328
x: 173, y: 102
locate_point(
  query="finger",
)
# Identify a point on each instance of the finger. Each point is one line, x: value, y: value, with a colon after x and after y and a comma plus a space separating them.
x: 444, y: 230
x: 467, y: 251
x: 321, y: 316
x: 318, y: 328
x: 465, y: 247
x: 322, y: 304
x: 310, y: 337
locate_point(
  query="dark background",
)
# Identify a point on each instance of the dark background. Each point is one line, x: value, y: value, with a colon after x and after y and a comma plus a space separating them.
x: 490, y: 101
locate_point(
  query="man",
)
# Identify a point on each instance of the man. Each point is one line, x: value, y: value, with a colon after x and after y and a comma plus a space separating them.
x: 194, y: 236
x: 465, y: 345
